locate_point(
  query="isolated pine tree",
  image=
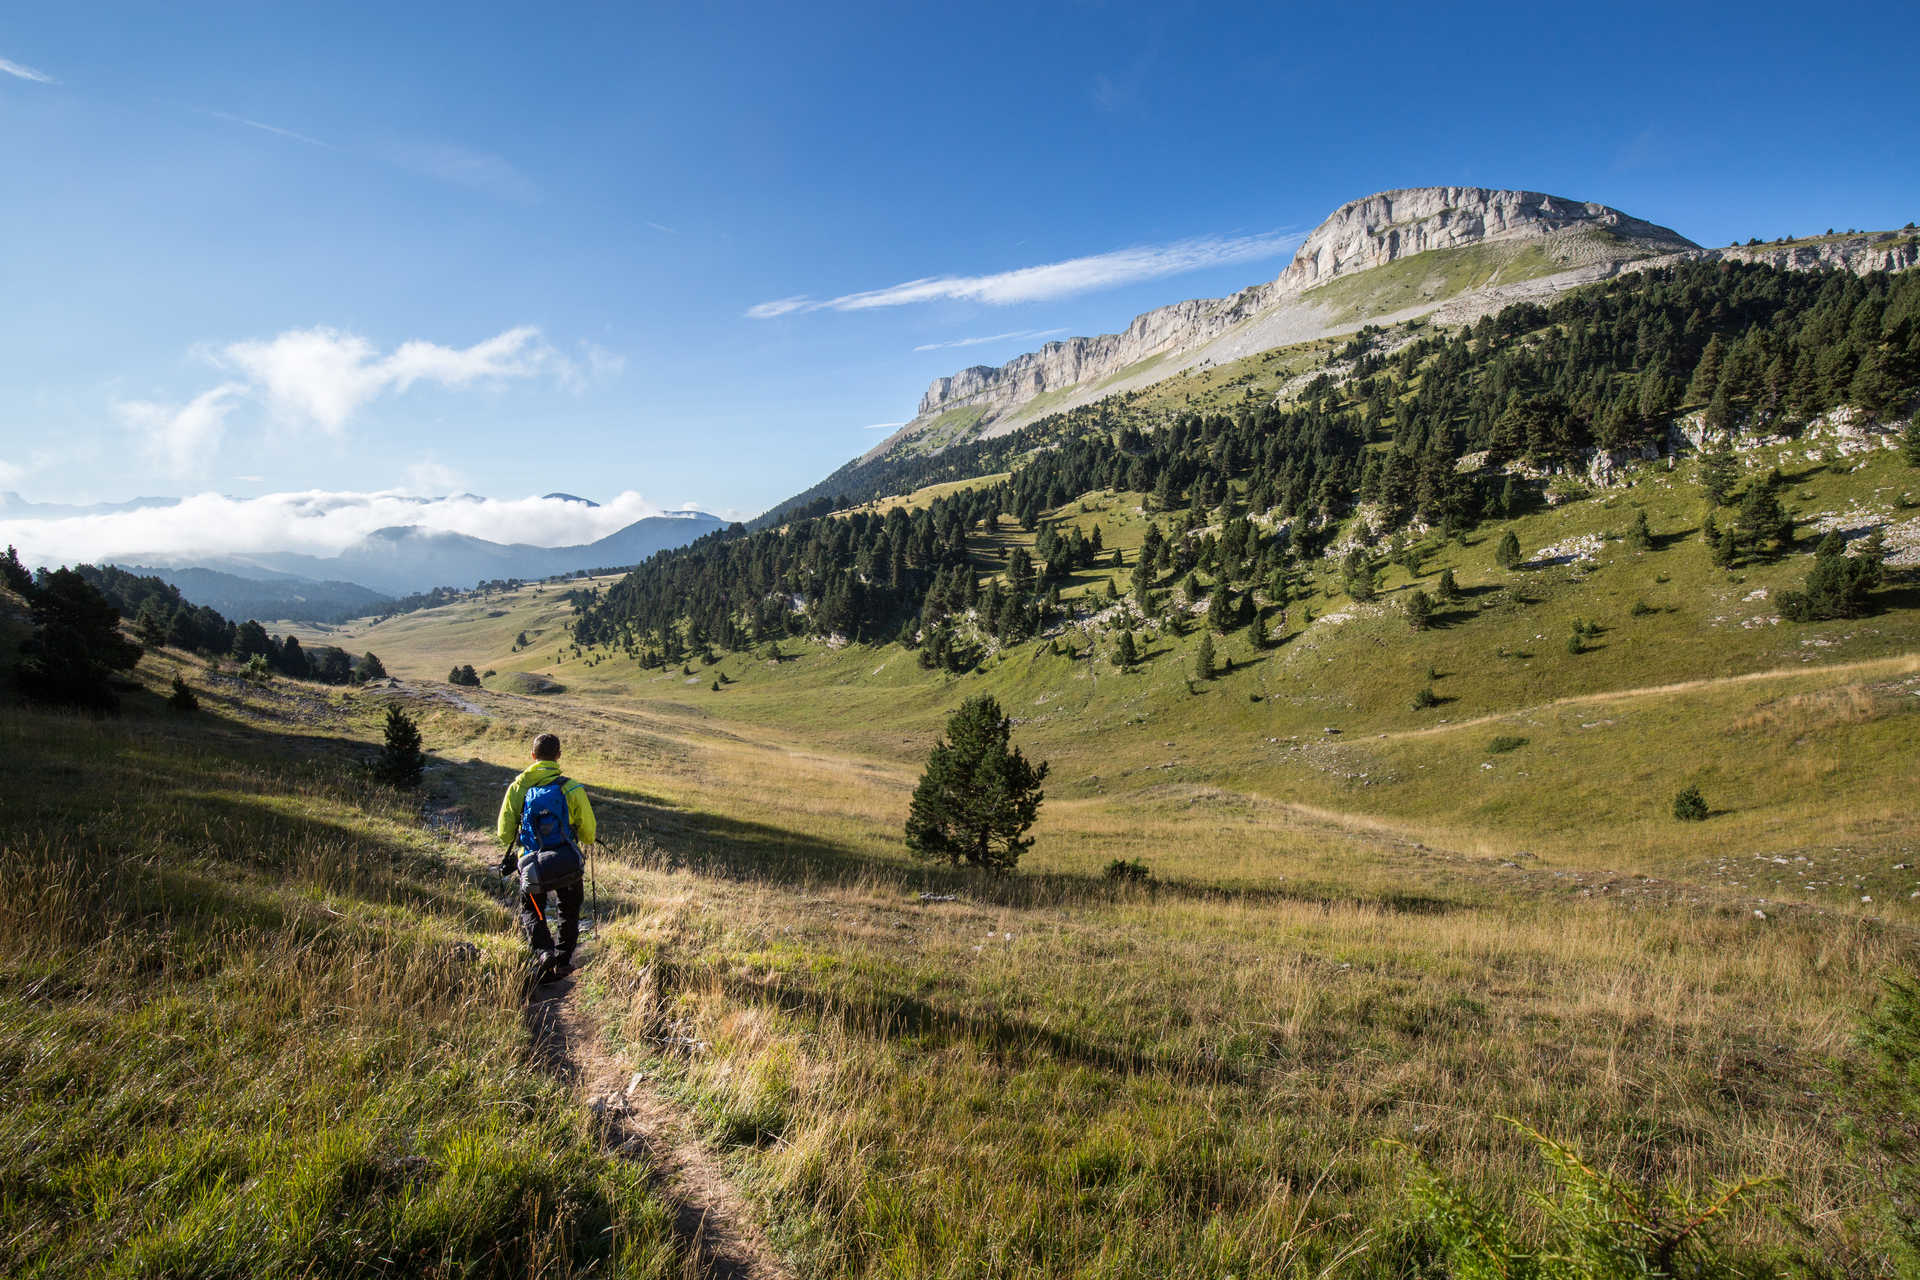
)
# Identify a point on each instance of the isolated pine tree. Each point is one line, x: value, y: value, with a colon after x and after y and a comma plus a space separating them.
x: 1419, y: 609
x: 978, y: 795
x: 1203, y: 657
x: 1507, y: 553
x: 401, y: 761
x: 1447, y: 589
x: 1690, y: 805
x: 1639, y: 536
x: 1125, y: 654
x: 182, y: 698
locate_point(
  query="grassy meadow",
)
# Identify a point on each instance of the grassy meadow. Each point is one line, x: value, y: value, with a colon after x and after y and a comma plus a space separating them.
x: 1362, y: 946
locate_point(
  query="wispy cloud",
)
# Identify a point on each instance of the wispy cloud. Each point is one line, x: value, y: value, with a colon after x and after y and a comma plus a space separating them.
x: 480, y: 171
x: 183, y: 438
x: 25, y: 72
x: 661, y: 226
x: 882, y: 426
x: 1023, y: 334
x: 273, y: 129
x: 1052, y: 280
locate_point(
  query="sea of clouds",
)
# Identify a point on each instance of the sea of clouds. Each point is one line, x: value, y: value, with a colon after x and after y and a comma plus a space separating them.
x: 316, y: 523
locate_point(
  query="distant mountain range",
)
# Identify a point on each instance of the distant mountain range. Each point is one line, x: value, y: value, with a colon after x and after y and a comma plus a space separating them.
x: 403, y: 559
x: 397, y: 560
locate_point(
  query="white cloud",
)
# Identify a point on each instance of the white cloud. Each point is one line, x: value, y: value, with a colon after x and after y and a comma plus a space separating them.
x: 992, y: 337
x: 316, y: 523
x: 26, y: 72
x: 782, y: 306
x: 1052, y: 280
x: 11, y: 473
x: 272, y: 128
x: 323, y: 376
x: 882, y: 426
x: 182, y: 438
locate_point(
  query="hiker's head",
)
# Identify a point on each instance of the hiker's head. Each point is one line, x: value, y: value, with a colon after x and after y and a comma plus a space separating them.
x: 546, y: 747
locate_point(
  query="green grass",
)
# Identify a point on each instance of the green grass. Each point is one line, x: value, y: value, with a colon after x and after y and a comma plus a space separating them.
x: 235, y: 1039
x: 1396, y: 934
x: 1439, y: 274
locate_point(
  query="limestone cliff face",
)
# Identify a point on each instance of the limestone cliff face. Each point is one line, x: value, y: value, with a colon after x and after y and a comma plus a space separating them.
x: 1358, y: 236
x: 1398, y: 224
x: 1862, y: 252
x: 1580, y: 241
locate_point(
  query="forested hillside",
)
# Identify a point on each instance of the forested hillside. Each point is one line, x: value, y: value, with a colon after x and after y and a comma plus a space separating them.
x: 1433, y: 431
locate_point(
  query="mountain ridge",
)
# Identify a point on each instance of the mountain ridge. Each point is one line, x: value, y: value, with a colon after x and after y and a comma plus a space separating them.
x: 1490, y: 248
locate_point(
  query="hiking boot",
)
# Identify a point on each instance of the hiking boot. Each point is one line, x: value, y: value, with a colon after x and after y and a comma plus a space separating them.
x: 559, y: 967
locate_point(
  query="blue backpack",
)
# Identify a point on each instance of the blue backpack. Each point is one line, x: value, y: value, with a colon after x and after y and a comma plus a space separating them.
x: 549, y: 859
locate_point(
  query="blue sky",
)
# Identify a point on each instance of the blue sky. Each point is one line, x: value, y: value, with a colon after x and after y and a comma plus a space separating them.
x: 257, y: 248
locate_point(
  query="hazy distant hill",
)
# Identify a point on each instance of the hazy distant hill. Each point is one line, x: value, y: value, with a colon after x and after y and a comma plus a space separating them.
x: 403, y: 559
x: 270, y: 597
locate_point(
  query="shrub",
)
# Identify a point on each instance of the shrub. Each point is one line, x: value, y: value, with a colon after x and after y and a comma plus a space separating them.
x: 1425, y: 698
x: 1506, y: 742
x: 1125, y: 872
x: 1599, y: 1227
x: 1576, y: 643
x: 1690, y: 805
x: 1641, y: 609
x: 1419, y: 609
x: 183, y: 697
x: 1883, y: 1089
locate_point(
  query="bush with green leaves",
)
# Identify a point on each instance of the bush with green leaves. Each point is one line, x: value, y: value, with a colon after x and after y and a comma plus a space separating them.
x: 1690, y: 806
x: 1593, y: 1226
x: 1506, y: 742
x: 1125, y: 871
x: 1425, y: 698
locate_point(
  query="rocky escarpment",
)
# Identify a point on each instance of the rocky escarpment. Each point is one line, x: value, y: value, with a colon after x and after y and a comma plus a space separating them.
x: 1854, y: 251
x: 1359, y: 236
x: 1392, y: 225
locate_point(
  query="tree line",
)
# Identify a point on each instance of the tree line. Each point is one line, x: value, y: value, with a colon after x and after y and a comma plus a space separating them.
x: 1245, y: 494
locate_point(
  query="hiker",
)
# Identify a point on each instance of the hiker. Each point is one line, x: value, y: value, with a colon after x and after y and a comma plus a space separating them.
x: 546, y: 815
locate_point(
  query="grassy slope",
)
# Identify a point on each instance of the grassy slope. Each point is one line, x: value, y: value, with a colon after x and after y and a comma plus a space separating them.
x: 1439, y: 274
x: 233, y: 1036
x: 1369, y: 935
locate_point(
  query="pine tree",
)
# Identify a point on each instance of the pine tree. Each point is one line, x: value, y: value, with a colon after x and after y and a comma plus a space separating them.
x: 401, y: 761
x: 1125, y: 653
x: 182, y: 698
x: 1419, y: 609
x: 1203, y: 657
x: 368, y: 668
x: 978, y: 795
x: 76, y: 647
x: 1507, y: 553
x: 1718, y: 471
x: 1912, y: 449
x: 1447, y: 589
x: 1639, y: 536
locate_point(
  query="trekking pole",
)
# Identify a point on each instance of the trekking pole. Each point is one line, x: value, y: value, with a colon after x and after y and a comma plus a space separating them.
x: 594, y: 882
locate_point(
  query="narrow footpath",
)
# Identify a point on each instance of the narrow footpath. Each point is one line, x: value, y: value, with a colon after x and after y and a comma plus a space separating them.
x: 632, y: 1119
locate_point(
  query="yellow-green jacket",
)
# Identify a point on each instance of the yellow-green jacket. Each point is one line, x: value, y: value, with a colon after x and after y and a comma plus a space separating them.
x: 579, y: 812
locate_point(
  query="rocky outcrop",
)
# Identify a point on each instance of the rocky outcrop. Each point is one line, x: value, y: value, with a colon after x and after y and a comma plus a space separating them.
x: 1859, y: 252
x: 1392, y: 225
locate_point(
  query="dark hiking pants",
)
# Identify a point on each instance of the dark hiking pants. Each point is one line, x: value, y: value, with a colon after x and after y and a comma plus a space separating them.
x: 562, y: 909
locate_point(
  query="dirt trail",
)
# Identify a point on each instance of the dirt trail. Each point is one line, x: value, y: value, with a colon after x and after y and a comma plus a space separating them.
x: 632, y: 1119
